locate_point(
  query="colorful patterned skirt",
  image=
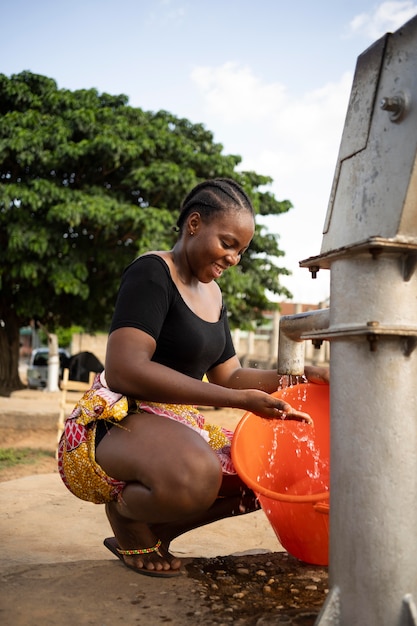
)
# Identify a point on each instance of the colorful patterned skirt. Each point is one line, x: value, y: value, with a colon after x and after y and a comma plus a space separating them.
x: 77, y: 466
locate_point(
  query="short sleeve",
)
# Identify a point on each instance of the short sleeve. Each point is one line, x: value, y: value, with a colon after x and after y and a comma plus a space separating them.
x: 144, y: 296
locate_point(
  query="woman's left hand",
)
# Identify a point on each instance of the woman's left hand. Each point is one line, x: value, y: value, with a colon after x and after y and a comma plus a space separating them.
x: 318, y: 375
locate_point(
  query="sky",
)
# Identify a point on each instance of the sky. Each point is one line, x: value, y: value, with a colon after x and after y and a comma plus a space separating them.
x: 269, y: 78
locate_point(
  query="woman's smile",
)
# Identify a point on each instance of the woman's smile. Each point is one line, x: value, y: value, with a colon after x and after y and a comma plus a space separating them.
x: 218, y: 269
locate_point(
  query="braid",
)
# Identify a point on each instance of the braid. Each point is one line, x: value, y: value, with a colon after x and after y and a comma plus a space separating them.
x: 212, y: 197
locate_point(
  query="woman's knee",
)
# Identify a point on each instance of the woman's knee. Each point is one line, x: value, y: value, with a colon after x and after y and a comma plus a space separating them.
x: 195, y: 482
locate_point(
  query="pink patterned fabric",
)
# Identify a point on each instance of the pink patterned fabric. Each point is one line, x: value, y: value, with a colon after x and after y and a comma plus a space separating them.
x: 76, y: 453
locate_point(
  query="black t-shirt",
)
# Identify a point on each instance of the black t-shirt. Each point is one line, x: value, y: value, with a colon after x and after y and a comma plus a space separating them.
x: 149, y: 300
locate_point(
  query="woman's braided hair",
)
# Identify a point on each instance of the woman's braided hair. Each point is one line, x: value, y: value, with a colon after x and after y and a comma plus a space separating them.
x: 212, y: 197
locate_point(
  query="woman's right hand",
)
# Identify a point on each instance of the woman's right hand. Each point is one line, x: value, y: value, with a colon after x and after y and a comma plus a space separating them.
x: 270, y: 407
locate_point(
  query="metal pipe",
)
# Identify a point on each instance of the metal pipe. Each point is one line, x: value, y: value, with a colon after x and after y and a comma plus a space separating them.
x: 293, y: 331
x: 370, y: 244
x: 373, y: 457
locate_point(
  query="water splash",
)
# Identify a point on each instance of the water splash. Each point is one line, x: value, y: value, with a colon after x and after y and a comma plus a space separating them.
x: 287, y: 381
x: 306, y: 449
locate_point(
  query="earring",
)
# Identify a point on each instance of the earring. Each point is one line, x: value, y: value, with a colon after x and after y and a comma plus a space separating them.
x: 191, y: 233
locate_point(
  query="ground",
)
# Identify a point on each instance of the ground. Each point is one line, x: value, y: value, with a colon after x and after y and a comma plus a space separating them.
x: 247, y: 590
x: 37, y: 440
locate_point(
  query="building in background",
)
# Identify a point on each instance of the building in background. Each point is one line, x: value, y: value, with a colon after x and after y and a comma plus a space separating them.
x: 259, y: 348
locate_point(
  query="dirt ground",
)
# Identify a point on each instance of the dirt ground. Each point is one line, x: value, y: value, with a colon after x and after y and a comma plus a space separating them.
x: 247, y: 589
x: 36, y: 440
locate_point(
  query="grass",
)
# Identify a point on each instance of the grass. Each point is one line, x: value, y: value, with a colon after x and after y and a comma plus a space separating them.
x: 9, y: 457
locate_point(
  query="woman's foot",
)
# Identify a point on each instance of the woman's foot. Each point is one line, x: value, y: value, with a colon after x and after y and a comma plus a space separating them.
x: 137, y: 537
x: 141, y: 566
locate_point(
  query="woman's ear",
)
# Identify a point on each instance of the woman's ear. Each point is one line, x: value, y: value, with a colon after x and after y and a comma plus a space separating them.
x: 193, y: 222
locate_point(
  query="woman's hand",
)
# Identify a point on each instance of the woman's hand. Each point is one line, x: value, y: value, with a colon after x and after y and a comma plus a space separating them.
x: 315, y: 374
x: 270, y: 407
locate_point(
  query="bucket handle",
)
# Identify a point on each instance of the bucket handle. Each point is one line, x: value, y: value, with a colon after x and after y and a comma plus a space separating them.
x: 322, y: 507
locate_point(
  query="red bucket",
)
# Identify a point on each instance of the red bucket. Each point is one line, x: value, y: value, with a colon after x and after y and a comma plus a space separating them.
x: 286, y: 463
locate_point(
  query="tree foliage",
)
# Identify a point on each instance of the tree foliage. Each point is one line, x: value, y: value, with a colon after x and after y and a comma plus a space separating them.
x: 87, y: 183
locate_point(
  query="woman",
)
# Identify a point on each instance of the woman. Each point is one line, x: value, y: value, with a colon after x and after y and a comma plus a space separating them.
x: 135, y: 441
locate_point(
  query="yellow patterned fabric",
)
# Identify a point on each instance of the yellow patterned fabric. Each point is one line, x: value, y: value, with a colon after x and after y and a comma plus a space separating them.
x: 76, y: 453
x: 78, y: 468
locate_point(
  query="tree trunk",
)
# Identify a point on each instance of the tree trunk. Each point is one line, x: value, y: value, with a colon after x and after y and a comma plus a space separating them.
x: 9, y: 353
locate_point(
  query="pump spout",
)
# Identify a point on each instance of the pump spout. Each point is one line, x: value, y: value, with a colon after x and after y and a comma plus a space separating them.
x: 293, y: 331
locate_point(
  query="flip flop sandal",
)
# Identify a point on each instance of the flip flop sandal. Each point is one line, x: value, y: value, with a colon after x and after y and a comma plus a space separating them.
x: 112, y: 545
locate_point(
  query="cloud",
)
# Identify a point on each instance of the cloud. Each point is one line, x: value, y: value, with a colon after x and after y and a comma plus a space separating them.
x: 277, y: 133
x: 310, y: 125
x: 292, y: 138
x: 273, y: 126
x: 165, y: 13
x: 235, y: 94
x: 386, y: 17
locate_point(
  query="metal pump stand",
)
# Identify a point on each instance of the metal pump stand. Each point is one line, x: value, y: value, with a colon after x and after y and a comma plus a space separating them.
x: 370, y: 246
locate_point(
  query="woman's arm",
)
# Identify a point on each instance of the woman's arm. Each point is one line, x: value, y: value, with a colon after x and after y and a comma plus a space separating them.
x: 231, y: 374
x: 130, y: 371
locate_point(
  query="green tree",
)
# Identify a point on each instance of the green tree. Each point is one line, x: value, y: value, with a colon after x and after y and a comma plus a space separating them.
x: 87, y: 183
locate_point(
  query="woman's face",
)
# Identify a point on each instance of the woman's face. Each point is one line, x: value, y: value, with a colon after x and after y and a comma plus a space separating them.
x: 217, y: 245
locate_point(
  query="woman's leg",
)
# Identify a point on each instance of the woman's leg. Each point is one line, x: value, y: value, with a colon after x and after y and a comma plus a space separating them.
x: 172, y: 475
x: 235, y: 498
